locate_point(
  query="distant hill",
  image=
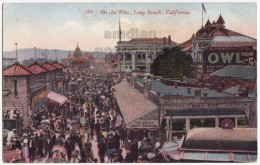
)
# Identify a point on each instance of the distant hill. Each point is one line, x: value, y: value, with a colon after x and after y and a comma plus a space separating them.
x: 60, y: 54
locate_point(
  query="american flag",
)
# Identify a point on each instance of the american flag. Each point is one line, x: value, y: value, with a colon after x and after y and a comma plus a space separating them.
x: 203, y: 7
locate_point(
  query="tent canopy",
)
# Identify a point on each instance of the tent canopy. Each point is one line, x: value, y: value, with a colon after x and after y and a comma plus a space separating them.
x: 57, y: 98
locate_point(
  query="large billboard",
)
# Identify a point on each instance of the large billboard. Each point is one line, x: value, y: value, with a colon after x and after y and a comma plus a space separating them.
x: 216, y: 58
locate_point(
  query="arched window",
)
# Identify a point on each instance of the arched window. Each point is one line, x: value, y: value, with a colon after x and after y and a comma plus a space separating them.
x: 15, y: 88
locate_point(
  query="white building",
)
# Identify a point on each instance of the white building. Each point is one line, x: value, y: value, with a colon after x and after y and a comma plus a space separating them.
x: 140, y: 52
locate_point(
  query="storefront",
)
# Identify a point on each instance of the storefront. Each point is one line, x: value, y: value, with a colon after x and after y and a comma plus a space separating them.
x: 11, y: 117
x: 183, y: 114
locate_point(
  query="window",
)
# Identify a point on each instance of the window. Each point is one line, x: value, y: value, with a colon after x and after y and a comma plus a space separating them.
x: 194, y: 155
x: 218, y: 156
x: 253, y: 157
x: 143, y: 56
x: 242, y: 122
x: 240, y: 157
x: 199, y: 57
x: 15, y: 88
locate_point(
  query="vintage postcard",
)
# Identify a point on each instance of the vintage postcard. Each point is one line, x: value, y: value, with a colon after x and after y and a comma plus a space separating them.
x: 133, y: 82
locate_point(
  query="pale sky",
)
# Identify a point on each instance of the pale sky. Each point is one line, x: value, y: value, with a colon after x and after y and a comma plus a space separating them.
x: 63, y: 25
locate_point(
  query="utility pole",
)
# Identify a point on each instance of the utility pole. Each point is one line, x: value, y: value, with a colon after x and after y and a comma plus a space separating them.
x: 55, y: 55
x: 46, y: 55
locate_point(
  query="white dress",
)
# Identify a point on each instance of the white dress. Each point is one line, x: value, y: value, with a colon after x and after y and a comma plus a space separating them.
x: 9, y: 137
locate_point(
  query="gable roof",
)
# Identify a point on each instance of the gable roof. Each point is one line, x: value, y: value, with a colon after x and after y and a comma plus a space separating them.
x: 37, y: 68
x: 17, y: 70
x: 49, y: 66
x: 58, y: 65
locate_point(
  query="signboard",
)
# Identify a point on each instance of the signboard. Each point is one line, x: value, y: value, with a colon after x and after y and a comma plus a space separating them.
x: 39, y: 97
x: 150, y: 120
x: 60, y: 84
x: 12, y: 113
x: 215, y: 58
x: 179, y: 106
x: 227, y: 124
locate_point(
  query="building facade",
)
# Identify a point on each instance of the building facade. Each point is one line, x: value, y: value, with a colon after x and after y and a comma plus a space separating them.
x: 25, y: 90
x: 214, y: 47
x: 140, y: 52
x: 184, y: 108
x: 78, y: 61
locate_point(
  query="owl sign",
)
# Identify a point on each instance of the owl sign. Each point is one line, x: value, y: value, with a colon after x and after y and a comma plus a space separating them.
x: 227, y: 124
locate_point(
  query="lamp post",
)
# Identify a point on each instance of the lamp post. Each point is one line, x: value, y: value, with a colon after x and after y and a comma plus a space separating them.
x: 16, y: 57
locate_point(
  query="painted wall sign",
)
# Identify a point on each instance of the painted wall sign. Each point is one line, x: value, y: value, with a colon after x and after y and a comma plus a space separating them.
x: 150, y: 120
x: 218, y: 58
x: 11, y: 113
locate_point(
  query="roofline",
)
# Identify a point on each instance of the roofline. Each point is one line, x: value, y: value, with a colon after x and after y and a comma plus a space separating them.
x: 242, y: 34
x: 17, y: 63
x: 36, y: 63
x: 212, y: 150
x: 56, y: 62
x: 51, y: 65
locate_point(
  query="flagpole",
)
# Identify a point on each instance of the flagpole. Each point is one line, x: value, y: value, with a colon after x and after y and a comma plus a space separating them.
x: 202, y: 15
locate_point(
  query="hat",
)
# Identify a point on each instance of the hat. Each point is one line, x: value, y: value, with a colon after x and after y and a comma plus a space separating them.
x: 25, y: 141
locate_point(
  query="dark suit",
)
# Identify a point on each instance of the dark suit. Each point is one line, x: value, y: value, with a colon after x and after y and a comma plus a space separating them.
x: 32, y: 150
x: 48, y: 147
x: 68, y: 146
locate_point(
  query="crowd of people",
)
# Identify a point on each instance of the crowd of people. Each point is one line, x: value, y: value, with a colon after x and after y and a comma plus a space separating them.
x: 65, y: 133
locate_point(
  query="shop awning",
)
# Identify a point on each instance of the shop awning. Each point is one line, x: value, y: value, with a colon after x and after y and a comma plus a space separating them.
x: 137, y: 111
x: 57, y: 98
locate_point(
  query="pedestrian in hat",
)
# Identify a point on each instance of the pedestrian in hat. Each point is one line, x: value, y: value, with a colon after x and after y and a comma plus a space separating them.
x: 32, y: 149
x: 134, y: 150
x: 102, y: 148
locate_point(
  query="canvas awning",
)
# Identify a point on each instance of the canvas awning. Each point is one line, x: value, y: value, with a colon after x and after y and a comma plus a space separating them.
x: 137, y: 111
x: 57, y: 98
